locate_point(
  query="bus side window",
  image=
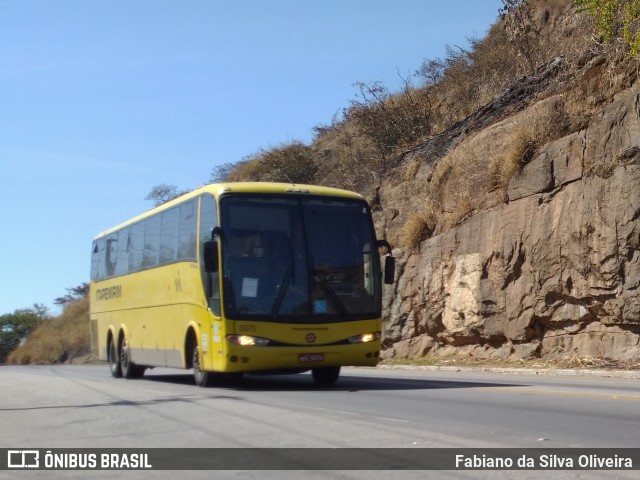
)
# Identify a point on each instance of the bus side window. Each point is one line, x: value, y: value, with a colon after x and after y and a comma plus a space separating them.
x: 187, y: 231
x: 98, y: 260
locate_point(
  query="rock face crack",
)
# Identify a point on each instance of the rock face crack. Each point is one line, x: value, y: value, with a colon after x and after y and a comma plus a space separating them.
x: 515, y: 271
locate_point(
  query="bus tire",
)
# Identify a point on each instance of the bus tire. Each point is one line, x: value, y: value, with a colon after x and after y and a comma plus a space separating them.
x: 325, y: 376
x: 202, y: 377
x: 128, y: 368
x: 114, y: 361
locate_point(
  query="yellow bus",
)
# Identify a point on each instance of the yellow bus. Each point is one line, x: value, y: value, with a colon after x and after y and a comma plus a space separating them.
x: 241, y: 277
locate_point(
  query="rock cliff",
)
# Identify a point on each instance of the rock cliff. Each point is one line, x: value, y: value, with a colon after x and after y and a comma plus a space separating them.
x: 542, y: 259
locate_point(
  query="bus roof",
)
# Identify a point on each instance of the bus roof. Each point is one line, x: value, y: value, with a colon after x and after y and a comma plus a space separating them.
x: 219, y: 189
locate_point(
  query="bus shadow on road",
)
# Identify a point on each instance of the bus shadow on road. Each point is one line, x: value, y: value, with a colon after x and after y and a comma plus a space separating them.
x: 346, y: 383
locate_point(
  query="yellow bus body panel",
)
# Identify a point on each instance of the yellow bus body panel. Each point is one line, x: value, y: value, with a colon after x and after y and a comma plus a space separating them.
x: 155, y: 309
x: 305, y: 343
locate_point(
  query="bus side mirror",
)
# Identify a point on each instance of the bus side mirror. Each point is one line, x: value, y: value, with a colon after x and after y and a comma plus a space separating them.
x: 210, y: 252
x: 389, y: 263
x: 389, y: 269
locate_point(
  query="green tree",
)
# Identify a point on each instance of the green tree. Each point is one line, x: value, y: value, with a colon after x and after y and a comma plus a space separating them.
x: 615, y: 20
x: 14, y: 327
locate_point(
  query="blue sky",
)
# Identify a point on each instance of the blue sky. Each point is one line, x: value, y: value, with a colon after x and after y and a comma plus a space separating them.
x: 102, y: 100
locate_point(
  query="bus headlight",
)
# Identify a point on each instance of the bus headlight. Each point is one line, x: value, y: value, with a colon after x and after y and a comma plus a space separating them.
x: 247, y: 340
x: 364, y: 337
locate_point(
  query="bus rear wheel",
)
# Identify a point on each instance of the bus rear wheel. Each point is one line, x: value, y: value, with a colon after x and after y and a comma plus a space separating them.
x: 128, y: 368
x: 114, y: 361
x: 325, y: 376
x: 202, y: 377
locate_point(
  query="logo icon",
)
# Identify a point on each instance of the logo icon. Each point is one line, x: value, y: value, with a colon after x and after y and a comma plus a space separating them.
x: 311, y: 337
x: 23, y: 459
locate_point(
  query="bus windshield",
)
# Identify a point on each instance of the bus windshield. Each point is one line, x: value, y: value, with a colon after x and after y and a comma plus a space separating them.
x: 298, y: 260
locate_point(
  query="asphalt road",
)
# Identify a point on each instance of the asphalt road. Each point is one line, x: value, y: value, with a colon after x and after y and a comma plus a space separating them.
x: 82, y: 406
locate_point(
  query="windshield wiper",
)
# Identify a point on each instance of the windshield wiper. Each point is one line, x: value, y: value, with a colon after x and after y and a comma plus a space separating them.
x: 330, y: 292
x: 283, y: 289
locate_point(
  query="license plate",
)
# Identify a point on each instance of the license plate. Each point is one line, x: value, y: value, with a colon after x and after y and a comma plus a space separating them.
x: 311, y: 357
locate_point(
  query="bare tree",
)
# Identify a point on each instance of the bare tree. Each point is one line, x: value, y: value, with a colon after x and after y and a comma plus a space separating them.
x: 522, y: 29
x: 163, y: 193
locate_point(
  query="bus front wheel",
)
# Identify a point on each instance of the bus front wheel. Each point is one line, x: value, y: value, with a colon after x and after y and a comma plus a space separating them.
x: 325, y: 376
x: 114, y: 361
x: 202, y: 377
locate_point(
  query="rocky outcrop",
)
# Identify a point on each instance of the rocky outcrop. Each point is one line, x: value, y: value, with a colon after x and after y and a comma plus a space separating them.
x: 549, y: 267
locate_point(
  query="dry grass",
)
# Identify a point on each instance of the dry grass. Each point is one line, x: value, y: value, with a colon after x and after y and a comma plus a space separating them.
x: 454, y: 179
x: 57, y: 340
x: 462, y: 209
x: 246, y: 170
x: 504, y: 165
x: 544, y: 122
x: 415, y: 230
x: 421, y: 225
x: 346, y: 159
x: 431, y: 219
x: 442, y: 172
x: 410, y: 169
x: 464, y: 164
